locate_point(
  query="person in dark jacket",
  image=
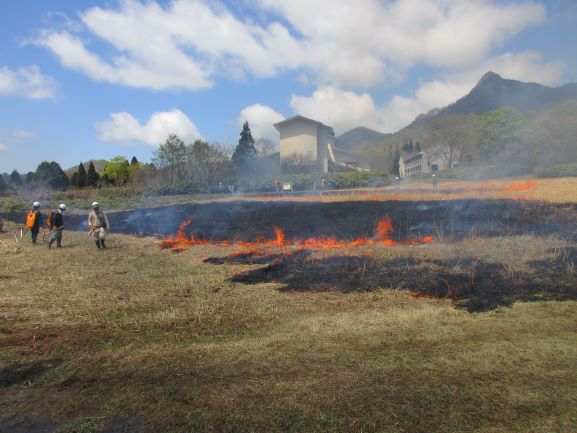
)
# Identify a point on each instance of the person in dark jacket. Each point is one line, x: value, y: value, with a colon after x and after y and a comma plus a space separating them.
x: 56, y: 226
x: 38, y: 222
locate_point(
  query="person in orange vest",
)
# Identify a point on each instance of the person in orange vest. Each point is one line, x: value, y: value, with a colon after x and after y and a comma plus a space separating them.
x: 34, y: 220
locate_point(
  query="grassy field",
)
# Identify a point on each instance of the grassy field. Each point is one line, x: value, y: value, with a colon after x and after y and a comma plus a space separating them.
x: 135, y: 339
x: 558, y: 190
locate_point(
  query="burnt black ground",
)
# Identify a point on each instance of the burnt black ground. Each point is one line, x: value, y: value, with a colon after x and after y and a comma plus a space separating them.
x: 246, y: 220
x: 475, y: 285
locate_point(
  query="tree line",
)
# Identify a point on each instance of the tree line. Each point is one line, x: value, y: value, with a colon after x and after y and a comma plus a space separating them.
x: 200, y: 163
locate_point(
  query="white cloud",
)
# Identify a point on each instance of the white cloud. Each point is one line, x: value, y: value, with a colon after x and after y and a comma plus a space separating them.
x: 183, y: 45
x: 261, y: 120
x: 190, y: 43
x: 339, y: 108
x: 123, y: 128
x: 160, y: 70
x: 16, y: 137
x: 359, y: 43
x: 22, y: 135
x: 28, y: 82
x: 527, y: 66
x: 346, y: 109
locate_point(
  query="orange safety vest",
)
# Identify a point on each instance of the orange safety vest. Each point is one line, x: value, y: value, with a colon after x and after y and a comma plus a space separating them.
x: 30, y: 219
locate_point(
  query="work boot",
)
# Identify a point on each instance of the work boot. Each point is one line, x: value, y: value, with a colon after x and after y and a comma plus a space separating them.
x: 97, y: 244
x: 102, y: 243
x: 58, y: 243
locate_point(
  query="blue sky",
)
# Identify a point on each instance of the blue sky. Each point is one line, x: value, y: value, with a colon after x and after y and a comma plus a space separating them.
x: 93, y: 79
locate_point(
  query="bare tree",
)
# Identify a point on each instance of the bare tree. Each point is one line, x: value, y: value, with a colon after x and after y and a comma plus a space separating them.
x: 298, y: 163
x: 457, y: 135
x: 171, y: 156
x: 265, y: 147
x: 203, y: 162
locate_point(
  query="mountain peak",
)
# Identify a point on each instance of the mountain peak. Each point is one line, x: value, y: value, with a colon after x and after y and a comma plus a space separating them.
x: 360, y: 136
x: 493, y: 92
x: 488, y: 75
x: 488, y: 80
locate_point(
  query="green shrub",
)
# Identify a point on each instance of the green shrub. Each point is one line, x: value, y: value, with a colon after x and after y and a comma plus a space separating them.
x: 179, y: 188
x: 356, y: 179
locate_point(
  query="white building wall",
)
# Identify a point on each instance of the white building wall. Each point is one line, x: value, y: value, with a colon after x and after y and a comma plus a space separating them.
x: 323, y: 138
x: 299, y: 137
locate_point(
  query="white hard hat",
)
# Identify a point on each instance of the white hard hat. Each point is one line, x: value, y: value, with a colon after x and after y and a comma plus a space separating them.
x: 36, y: 204
x: 95, y: 204
x: 62, y: 206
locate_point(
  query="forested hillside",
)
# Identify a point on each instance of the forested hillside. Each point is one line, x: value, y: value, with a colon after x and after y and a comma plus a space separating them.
x: 521, y: 127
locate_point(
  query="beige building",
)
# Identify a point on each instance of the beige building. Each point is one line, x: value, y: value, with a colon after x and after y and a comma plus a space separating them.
x: 418, y: 163
x: 307, y: 141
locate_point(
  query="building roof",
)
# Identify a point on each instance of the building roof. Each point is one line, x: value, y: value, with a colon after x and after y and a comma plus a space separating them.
x: 413, y: 158
x: 299, y: 117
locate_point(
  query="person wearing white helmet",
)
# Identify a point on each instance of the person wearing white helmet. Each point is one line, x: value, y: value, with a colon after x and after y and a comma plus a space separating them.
x: 56, y: 225
x: 99, y: 225
x: 34, y: 220
x: 434, y: 180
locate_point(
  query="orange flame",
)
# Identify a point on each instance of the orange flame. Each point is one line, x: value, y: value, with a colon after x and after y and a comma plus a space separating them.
x: 525, y: 186
x: 279, y: 236
x: 383, y: 232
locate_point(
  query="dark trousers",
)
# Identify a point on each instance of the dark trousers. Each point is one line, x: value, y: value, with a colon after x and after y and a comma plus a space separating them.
x: 34, y: 232
x: 55, y: 236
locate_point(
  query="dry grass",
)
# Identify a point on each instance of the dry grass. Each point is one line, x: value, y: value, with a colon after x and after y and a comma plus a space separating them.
x: 557, y: 190
x: 560, y: 190
x: 140, y: 339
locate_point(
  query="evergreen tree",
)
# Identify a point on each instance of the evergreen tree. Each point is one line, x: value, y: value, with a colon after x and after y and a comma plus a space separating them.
x: 133, y: 161
x: 3, y: 186
x: 245, y: 150
x: 92, y: 176
x: 396, y: 160
x: 15, y: 178
x: 51, y: 174
x: 81, y: 177
x: 408, y: 146
x: 29, y: 178
x: 74, y: 179
x: 418, y: 147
